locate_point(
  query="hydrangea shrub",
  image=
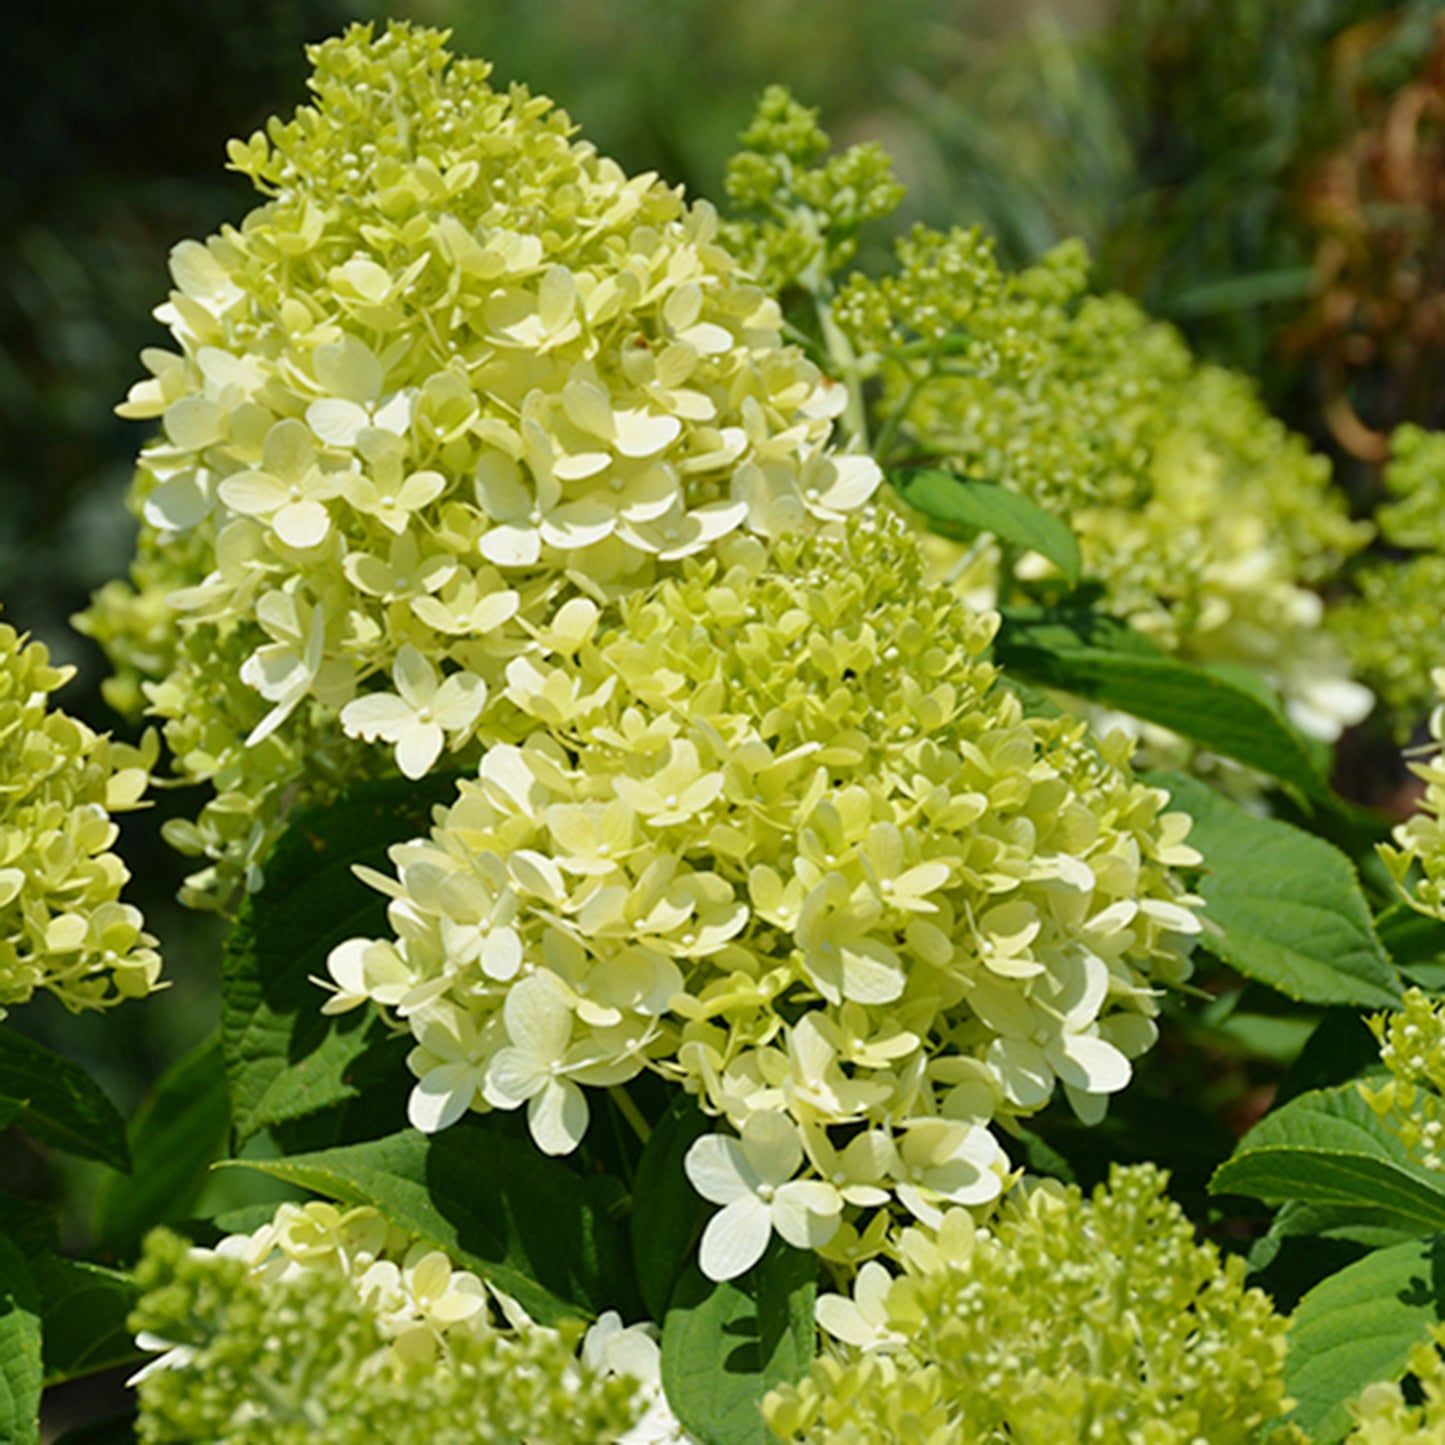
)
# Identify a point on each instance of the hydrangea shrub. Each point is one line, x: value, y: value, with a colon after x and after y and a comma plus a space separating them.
x: 776, y: 951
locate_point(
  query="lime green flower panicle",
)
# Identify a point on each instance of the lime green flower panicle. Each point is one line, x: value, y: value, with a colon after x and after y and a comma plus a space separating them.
x: 1206, y: 522
x: 1163, y: 1342
x: 63, y: 926
x: 1391, y: 629
x: 456, y: 371
x: 775, y: 832
x: 332, y: 1325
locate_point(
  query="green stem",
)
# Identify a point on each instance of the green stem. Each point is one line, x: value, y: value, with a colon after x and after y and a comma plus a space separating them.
x: 844, y: 362
x: 630, y: 1112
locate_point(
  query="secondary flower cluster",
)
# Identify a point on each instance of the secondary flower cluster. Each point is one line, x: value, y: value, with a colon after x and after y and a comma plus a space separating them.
x: 63, y: 926
x: 775, y: 831
x: 336, y: 1326
x: 456, y: 371
x: 1391, y: 631
x: 1203, y: 518
x: 1066, y: 1319
x: 1206, y: 522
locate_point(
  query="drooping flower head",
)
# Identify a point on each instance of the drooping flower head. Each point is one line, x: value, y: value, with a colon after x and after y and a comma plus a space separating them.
x: 63, y: 926
x: 778, y: 833
x: 456, y: 370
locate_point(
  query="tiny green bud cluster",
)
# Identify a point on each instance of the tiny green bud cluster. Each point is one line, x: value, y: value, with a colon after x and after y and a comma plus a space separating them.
x: 336, y: 1326
x: 1409, y: 1103
x: 63, y: 926
x: 1419, y: 842
x: 1066, y: 1319
x: 1391, y: 630
x: 1204, y: 519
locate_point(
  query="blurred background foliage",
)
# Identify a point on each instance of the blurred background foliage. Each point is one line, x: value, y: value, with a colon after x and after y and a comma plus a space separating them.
x: 1271, y: 177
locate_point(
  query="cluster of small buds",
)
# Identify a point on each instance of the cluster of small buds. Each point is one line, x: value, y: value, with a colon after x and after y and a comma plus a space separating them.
x: 778, y: 834
x: 457, y: 371
x: 1411, y: 1102
x: 1204, y: 519
x: 1391, y: 629
x: 63, y: 926
x: 959, y: 1337
x: 1417, y: 859
x: 424, y: 1319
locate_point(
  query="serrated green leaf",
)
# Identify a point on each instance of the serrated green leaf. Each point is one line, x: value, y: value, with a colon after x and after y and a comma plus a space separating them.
x: 60, y: 1104
x: 1107, y: 662
x: 1354, y: 1224
x: 1359, y: 1326
x: 981, y: 506
x: 1328, y: 1148
x: 285, y: 1059
x: 21, y: 1372
x: 527, y: 1223
x: 724, y: 1346
x: 666, y: 1209
x: 1416, y: 942
x: 83, y: 1315
x: 176, y: 1133
x: 1288, y: 906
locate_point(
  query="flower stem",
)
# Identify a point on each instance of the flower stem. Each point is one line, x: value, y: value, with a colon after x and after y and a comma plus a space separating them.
x: 630, y: 1112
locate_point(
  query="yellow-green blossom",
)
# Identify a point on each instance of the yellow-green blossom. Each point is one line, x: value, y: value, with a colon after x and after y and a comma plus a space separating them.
x: 774, y: 831
x: 456, y: 370
x: 335, y: 1326
x: 63, y: 926
x: 1067, y: 1319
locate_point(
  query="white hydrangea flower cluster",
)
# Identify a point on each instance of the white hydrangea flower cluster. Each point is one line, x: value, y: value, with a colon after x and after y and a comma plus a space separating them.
x: 426, y: 1312
x: 776, y: 832
x: 63, y: 926
x: 458, y: 370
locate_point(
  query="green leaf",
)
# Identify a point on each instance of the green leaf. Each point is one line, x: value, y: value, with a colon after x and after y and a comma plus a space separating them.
x: 1107, y: 662
x: 176, y: 1133
x: 1416, y: 942
x: 1359, y: 1326
x: 31, y: 1226
x: 527, y: 1223
x: 1289, y: 906
x: 983, y: 506
x: 666, y: 1209
x: 284, y: 1057
x: 1354, y: 1224
x: 21, y: 1372
x: 724, y: 1346
x: 84, y: 1308
x: 60, y: 1104
x: 1328, y: 1148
